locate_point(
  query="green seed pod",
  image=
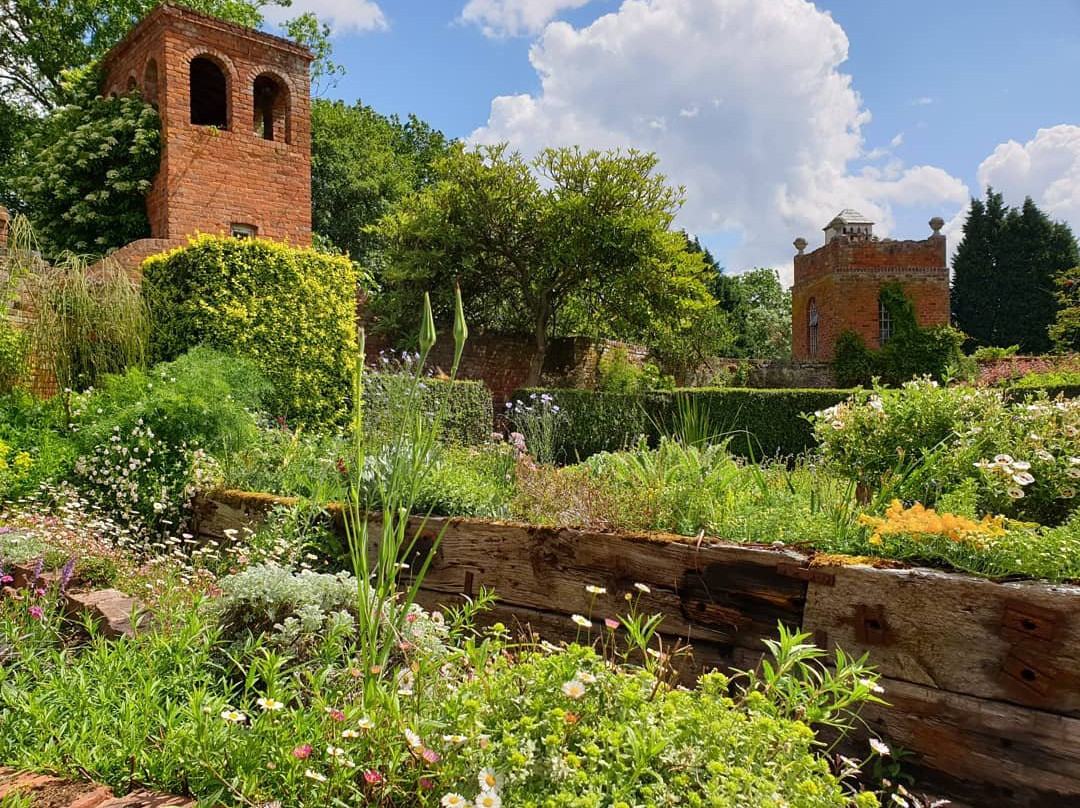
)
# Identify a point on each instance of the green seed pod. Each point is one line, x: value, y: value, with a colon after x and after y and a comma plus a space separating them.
x: 427, y: 326
x: 461, y: 329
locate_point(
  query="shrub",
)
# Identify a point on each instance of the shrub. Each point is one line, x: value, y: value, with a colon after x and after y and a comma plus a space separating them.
x: 291, y: 311
x: 13, y: 355
x: 89, y: 168
x: 616, y: 373
x: 467, y: 416
x: 760, y: 423
x: 923, y: 441
x: 1052, y: 383
x: 145, y: 434
x: 990, y: 353
x: 39, y: 446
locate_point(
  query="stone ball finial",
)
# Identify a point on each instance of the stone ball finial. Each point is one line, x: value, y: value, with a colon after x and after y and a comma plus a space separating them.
x: 936, y: 224
x: 800, y: 244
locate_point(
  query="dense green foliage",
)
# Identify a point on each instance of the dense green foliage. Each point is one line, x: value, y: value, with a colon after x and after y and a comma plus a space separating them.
x: 1053, y: 383
x: 575, y: 242
x: 924, y: 442
x: 467, y: 418
x: 760, y: 423
x: 759, y: 310
x: 1003, y: 273
x: 911, y: 351
x: 291, y: 311
x: 85, y: 172
x: 363, y: 163
x: 1065, y: 330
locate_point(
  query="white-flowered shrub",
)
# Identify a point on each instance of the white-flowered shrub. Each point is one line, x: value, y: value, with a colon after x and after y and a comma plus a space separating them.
x: 923, y: 441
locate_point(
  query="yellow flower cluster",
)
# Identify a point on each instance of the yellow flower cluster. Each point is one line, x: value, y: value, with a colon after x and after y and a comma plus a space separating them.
x: 21, y: 461
x: 921, y: 521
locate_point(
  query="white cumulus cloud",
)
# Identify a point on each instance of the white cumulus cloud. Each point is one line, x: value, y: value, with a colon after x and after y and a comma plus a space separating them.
x: 746, y: 105
x: 1046, y: 168
x: 343, y: 15
x: 515, y: 17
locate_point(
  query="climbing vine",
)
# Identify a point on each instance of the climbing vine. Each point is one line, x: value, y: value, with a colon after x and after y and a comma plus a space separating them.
x: 911, y: 351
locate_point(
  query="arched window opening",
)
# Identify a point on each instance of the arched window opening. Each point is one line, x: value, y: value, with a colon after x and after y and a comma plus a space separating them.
x: 150, y: 82
x: 812, y: 320
x: 209, y: 94
x: 885, y: 322
x: 270, y: 104
x: 132, y: 85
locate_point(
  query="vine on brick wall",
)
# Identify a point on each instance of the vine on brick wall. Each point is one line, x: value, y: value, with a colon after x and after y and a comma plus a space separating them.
x: 911, y: 351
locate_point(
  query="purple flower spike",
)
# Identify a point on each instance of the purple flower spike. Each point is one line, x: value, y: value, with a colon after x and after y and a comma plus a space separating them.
x: 66, y: 573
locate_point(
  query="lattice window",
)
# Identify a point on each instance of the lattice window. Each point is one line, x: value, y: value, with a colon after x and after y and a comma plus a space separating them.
x: 885, y: 322
x: 812, y: 320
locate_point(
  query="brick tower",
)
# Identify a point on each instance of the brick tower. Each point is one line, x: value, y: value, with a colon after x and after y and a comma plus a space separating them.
x: 235, y: 123
x: 838, y: 286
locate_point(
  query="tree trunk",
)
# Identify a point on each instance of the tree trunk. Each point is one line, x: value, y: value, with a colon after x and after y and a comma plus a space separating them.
x: 536, y: 364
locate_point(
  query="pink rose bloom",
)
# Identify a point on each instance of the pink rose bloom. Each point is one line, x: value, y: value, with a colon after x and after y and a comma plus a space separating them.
x: 372, y: 777
x: 302, y: 752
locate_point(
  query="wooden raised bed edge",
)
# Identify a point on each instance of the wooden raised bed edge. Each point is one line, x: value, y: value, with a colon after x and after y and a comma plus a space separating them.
x: 983, y: 677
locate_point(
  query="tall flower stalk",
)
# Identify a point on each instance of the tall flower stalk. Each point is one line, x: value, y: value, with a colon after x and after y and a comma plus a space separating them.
x: 386, y: 550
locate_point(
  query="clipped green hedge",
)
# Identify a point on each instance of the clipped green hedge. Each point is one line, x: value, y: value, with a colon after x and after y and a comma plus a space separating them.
x: 761, y: 423
x: 468, y: 416
x: 291, y: 311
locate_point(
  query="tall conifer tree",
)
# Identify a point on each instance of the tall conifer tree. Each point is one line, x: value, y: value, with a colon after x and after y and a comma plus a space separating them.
x: 1003, y: 273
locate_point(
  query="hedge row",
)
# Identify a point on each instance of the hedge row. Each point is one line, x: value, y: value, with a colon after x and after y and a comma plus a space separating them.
x: 467, y: 417
x: 290, y: 311
x: 761, y: 423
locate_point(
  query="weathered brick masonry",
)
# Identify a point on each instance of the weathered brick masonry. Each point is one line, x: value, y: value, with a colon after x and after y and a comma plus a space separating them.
x: 841, y: 282
x: 235, y: 116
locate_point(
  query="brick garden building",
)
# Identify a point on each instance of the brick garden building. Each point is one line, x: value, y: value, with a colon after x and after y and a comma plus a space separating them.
x: 838, y: 285
x: 235, y: 128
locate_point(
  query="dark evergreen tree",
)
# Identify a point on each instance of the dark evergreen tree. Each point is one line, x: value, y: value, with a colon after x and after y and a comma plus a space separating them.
x: 1003, y: 273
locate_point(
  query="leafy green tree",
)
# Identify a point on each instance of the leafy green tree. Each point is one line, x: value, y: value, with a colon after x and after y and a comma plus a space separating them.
x: 1065, y: 330
x: 761, y: 313
x: 85, y: 174
x: 363, y: 163
x: 1003, y: 273
x: 572, y: 240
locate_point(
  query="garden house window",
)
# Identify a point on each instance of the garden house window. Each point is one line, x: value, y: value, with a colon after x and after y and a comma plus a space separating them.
x: 885, y: 323
x: 812, y: 328
x: 209, y: 94
x: 243, y: 230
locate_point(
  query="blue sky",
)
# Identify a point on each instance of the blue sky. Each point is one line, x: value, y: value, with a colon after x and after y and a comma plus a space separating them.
x: 773, y: 113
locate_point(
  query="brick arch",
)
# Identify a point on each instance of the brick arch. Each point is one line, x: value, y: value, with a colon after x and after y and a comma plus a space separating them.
x: 228, y: 70
x: 150, y: 82
x: 279, y: 111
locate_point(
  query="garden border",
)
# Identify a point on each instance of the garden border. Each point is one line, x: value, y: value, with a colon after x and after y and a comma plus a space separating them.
x: 983, y: 677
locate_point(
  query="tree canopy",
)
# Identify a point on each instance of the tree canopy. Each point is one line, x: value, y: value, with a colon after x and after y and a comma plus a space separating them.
x: 570, y: 240
x: 362, y: 163
x: 1065, y: 330
x: 1003, y: 290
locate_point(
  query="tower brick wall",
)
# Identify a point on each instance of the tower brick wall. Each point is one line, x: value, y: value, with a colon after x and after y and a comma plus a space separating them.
x: 252, y: 167
x: 844, y: 277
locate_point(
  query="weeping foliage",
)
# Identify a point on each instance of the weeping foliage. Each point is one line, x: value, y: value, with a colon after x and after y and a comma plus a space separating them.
x: 85, y: 320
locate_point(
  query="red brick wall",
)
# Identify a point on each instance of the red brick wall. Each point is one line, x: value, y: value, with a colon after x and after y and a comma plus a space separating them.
x: 210, y: 178
x: 844, y: 278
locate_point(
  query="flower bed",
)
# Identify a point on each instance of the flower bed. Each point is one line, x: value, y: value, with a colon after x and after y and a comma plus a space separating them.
x: 980, y: 672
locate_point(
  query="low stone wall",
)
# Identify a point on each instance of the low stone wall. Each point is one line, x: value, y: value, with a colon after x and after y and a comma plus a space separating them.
x: 784, y: 374
x: 982, y: 678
